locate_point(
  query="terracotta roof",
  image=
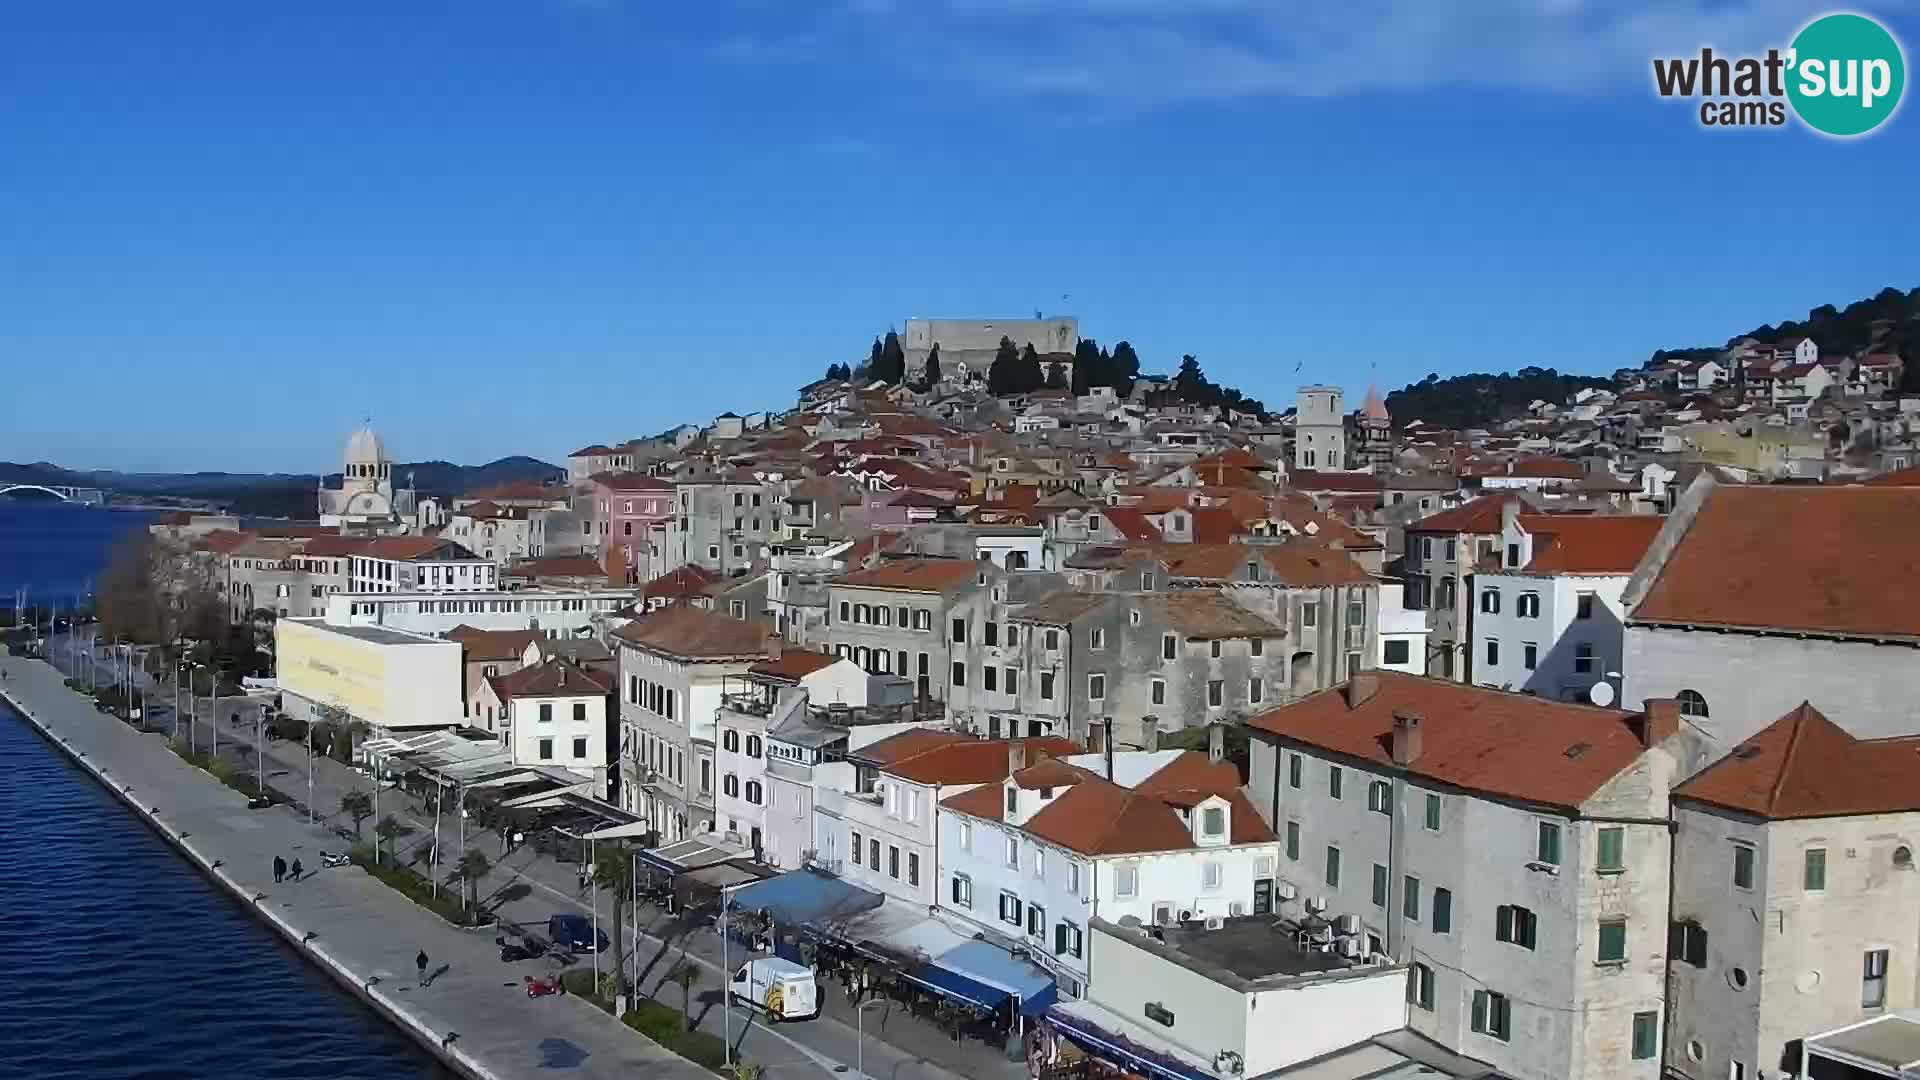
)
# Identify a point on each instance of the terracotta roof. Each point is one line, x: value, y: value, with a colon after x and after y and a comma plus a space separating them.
x: 1543, y: 468
x: 1301, y: 562
x: 697, y: 634
x: 1309, y: 480
x: 688, y: 580
x: 1206, y: 614
x: 1506, y: 744
x: 334, y: 546
x: 477, y: 644
x: 905, y: 744
x: 1907, y: 477
x: 554, y: 678
x: 1803, y: 765
x: 1839, y: 560
x: 1132, y: 523
x: 1481, y: 515
x: 1583, y: 544
x: 407, y: 548
x: 967, y: 760
x: 590, y: 451
x: 912, y: 575
x: 223, y: 541
x: 793, y: 665
x: 630, y: 481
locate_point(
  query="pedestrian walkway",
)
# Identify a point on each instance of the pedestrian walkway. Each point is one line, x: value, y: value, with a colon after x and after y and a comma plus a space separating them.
x: 527, y: 886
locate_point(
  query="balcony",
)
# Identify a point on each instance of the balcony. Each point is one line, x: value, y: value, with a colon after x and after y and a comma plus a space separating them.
x: 794, y: 771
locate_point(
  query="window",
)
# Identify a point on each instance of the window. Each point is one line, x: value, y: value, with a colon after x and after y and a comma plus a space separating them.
x: 730, y: 741
x: 990, y: 634
x: 1583, y: 658
x: 1692, y: 703
x: 1613, y: 942
x: 1256, y: 691
x: 1379, y: 796
x: 1489, y: 601
x: 1216, y: 690
x: 1293, y: 840
x: 1493, y: 652
x: 546, y: 749
x: 1333, y: 780
x: 1009, y: 908
x: 1742, y: 866
x: 1528, y: 605
x: 546, y: 712
x: 893, y: 862
x: 1073, y: 877
x: 1549, y: 843
x: 1010, y: 678
x: 1513, y: 557
x: 1213, y: 821
x: 755, y: 792
x: 1040, y: 863
x: 1420, y: 986
x: 989, y: 678
x: 1873, y: 979
x: 1814, y: 876
x: 1310, y: 613
x: 873, y: 855
x: 1610, y: 856
x: 1096, y: 687
x: 1646, y: 1035
x: 1046, y: 686
x: 1687, y: 941
x: 1379, y: 886
x: 1443, y: 911
x: 959, y: 673
x: 1210, y: 876
x: 856, y: 847
x: 1294, y: 764
x: 1333, y: 867
x: 1583, y: 606
x: 754, y: 745
x: 1529, y: 655
x: 962, y: 891
x: 1492, y: 1015
x: 1433, y: 813
x: 580, y: 749
x: 1256, y: 646
x: 1410, y: 898
x: 1516, y: 925
x: 579, y: 712
x: 1397, y: 652
x: 959, y: 631
x: 1126, y: 879
x: 1159, y: 691
x: 1013, y: 845
x: 1053, y: 640
x: 730, y: 785
x: 966, y: 836
x: 1096, y: 639
x: 1068, y: 940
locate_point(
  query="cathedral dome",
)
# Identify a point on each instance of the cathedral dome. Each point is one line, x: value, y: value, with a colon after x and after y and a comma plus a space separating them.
x: 365, y: 448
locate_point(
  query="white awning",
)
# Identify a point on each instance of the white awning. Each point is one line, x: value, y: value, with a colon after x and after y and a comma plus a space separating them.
x: 621, y: 832
x: 551, y: 797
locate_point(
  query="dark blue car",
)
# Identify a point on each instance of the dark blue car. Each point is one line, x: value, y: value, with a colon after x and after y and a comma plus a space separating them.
x: 576, y: 934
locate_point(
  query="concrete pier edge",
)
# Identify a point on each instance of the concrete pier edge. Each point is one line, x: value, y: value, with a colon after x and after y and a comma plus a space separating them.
x: 434, y: 1042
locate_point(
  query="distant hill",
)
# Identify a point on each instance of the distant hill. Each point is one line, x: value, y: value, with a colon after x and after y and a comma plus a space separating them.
x: 283, y: 494
x: 1481, y: 400
x: 1889, y: 319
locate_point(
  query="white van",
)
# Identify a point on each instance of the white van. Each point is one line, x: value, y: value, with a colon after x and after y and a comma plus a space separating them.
x: 781, y: 988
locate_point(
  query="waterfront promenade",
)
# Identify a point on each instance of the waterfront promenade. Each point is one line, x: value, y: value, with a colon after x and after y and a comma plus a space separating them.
x: 538, y: 886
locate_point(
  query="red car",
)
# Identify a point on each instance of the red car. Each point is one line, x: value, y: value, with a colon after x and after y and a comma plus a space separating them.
x: 543, y: 986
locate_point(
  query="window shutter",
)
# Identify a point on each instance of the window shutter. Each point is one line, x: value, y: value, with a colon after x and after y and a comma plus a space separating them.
x: 1059, y: 939
x: 1479, y: 1010
x: 1503, y: 924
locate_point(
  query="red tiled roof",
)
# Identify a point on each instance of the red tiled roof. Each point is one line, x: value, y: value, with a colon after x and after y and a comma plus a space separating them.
x: 1506, y: 744
x: 1481, y: 515
x: 1309, y: 480
x: 966, y: 760
x: 1907, y: 477
x: 630, y: 481
x: 1596, y: 544
x: 553, y: 678
x: 1839, y: 560
x: 477, y: 644
x: 688, y: 580
x: 698, y: 634
x: 912, y: 575
x: 1803, y: 765
x: 1132, y: 524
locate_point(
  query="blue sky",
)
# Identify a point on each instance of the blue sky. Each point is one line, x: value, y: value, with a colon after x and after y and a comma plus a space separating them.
x: 231, y: 229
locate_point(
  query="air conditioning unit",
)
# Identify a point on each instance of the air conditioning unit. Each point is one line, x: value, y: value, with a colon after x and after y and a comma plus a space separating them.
x: 1285, y: 890
x: 1215, y: 922
x: 1316, y: 904
x: 1347, y: 924
x: 1187, y: 914
x: 1163, y: 914
x: 1236, y: 908
x: 1352, y: 948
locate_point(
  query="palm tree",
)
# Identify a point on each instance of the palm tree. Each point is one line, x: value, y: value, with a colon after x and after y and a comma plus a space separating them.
x: 388, y: 830
x: 357, y: 805
x: 684, y: 974
x: 472, y: 867
x: 615, y: 875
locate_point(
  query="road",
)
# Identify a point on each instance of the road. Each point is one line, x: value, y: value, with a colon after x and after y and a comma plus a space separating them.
x: 527, y: 887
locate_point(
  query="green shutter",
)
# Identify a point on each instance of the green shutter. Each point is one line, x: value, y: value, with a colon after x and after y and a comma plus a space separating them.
x: 1442, y: 911
x: 1379, y: 886
x: 1550, y: 843
x: 1611, y: 855
x: 1433, y: 813
x: 1613, y: 942
x: 1646, y: 1033
x: 1816, y: 876
x: 1293, y: 840
x: 1410, y: 899
x: 1333, y: 867
x: 1480, y: 1010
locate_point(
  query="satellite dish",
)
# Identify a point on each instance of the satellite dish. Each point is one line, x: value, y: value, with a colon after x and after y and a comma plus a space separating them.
x: 1601, y: 694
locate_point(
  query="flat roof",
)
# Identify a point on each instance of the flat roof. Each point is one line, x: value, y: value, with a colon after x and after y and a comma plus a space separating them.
x: 1252, y: 947
x: 374, y: 635
x: 1892, y: 1042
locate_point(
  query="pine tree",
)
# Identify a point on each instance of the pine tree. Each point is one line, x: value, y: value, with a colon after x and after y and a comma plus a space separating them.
x: 1189, y: 382
x: 1056, y: 376
x: 1087, y: 371
x: 1030, y: 376
x: 1001, y: 377
x: 873, y: 366
x: 932, y: 371
x: 1123, y: 368
x: 891, y: 366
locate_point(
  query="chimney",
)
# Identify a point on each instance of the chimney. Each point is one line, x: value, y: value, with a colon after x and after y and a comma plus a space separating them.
x: 1361, y: 688
x: 1659, y: 722
x: 1016, y: 754
x: 1406, y: 737
x: 773, y: 645
x: 1216, y: 742
x: 1106, y: 743
x: 1150, y: 732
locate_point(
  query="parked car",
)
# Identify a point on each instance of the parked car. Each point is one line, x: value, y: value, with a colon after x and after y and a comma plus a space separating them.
x: 576, y: 934
x: 781, y: 988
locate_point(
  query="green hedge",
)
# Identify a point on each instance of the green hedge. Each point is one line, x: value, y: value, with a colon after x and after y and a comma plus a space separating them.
x: 226, y: 772
x: 659, y: 1022
x: 414, y: 887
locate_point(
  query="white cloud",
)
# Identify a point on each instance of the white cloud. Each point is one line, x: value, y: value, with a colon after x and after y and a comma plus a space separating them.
x: 1154, y: 51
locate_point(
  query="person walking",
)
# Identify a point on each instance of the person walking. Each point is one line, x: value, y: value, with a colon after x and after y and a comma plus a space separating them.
x: 295, y: 871
x: 279, y: 869
x: 420, y: 962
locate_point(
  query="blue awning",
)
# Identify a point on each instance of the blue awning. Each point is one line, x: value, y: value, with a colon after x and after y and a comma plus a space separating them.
x: 1101, y: 1044
x: 804, y: 898
x: 953, y: 984
x: 990, y: 965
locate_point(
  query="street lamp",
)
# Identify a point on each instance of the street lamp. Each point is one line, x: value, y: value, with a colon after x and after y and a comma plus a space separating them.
x: 860, y: 1034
